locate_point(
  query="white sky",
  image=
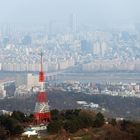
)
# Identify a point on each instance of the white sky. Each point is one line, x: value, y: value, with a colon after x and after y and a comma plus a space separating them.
x: 87, y: 11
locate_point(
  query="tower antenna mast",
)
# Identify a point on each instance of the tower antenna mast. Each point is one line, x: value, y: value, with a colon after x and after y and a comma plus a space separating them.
x: 42, y: 112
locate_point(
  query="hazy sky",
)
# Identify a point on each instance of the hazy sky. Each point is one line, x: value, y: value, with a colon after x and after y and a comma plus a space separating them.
x: 87, y: 11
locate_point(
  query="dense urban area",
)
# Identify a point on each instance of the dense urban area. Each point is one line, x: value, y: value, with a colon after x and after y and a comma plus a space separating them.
x: 70, y: 70
x: 76, y: 59
x: 92, y: 78
x: 84, y: 50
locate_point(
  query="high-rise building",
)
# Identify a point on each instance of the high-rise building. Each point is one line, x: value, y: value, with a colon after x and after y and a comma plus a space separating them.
x: 73, y: 23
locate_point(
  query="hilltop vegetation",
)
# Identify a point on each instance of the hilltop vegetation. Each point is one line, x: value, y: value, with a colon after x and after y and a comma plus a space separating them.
x: 88, y: 125
x: 14, y: 124
x: 72, y: 124
x: 74, y: 120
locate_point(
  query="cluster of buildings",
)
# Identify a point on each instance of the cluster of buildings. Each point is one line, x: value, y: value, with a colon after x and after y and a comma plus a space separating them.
x: 112, y: 65
x: 34, y: 67
x: 113, y: 89
x: 30, y: 84
x: 81, y: 51
x: 93, y: 50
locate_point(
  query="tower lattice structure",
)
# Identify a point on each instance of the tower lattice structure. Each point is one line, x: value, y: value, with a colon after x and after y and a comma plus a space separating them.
x: 42, y: 112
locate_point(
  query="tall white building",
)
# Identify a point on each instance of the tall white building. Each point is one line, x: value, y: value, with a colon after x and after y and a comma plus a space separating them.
x: 2, y: 92
x: 32, y: 80
x: 0, y: 66
x: 73, y: 23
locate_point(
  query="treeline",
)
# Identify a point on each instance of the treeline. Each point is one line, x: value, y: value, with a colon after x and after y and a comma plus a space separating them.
x: 14, y: 124
x: 73, y: 120
x: 90, y: 124
x: 97, y: 127
x: 70, y: 120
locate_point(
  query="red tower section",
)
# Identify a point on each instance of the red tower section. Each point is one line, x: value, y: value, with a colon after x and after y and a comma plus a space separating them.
x: 42, y: 112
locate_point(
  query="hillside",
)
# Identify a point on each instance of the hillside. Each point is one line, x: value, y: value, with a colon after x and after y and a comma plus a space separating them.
x: 115, y: 106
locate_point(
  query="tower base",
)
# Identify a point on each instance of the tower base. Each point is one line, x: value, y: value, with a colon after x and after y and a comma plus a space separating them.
x: 42, y: 118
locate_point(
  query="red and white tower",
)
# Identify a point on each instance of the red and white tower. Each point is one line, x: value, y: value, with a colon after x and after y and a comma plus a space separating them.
x: 42, y: 112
